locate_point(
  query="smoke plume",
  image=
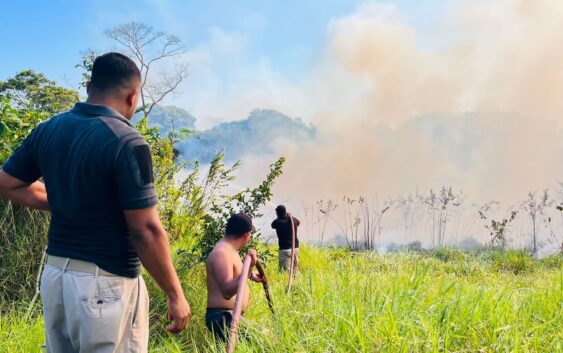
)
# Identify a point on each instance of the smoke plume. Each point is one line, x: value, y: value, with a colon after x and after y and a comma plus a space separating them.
x: 480, y: 110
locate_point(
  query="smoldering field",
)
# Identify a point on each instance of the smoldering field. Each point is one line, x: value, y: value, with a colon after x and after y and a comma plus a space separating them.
x: 473, y: 104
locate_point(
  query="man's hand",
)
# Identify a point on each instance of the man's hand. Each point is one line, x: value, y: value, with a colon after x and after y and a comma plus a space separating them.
x: 179, y: 312
x: 253, y: 257
x: 151, y: 244
x: 255, y: 277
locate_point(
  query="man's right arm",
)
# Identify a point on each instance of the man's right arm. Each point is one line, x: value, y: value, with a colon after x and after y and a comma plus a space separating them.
x: 224, y: 274
x: 33, y: 195
x: 134, y: 177
x: 151, y: 244
x: 223, y: 271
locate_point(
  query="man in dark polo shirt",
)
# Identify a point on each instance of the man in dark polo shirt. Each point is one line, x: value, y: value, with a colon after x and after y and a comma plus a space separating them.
x: 99, y: 187
x: 282, y: 225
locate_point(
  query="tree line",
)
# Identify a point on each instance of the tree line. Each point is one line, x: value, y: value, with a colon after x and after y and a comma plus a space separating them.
x: 440, y: 217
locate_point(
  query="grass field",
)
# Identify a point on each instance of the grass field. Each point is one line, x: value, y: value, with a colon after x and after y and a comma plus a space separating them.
x: 446, y: 301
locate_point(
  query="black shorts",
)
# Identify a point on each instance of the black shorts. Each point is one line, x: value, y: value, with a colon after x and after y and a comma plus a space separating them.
x: 219, y: 321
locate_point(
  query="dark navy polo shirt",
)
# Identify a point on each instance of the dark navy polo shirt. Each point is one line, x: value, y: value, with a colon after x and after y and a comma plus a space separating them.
x: 95, y: 165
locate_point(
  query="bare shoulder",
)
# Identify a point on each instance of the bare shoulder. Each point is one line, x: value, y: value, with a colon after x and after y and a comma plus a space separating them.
x: 218, y: 254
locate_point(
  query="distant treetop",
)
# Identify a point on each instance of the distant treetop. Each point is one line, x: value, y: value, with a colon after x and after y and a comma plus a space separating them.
x: 32, y: 91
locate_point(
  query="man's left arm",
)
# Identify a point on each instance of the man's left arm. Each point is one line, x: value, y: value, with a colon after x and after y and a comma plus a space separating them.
x: 32, y: 195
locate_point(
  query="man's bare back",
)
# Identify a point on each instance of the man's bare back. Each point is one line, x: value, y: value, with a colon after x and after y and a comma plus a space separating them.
x: 224, y: 268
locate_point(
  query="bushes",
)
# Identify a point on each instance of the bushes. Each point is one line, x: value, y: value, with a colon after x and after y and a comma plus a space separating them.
x: 248, y: 201
x: 554, y: 261
x: 449, y: 254
x: 23, y: 232
x: 193, y: 209
x: 15, y: 126
x: 515, y: 261
x: 23, y: 236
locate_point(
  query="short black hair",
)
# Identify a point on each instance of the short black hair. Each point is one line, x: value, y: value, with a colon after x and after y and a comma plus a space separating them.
x: 238, y: 225
x: 113, y: 70
x: 281, y: 211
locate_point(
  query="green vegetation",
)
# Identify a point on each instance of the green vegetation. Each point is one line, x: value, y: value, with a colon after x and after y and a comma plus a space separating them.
x: 15, y: 126
x: 413, y: 301
x: 361, y: 302
x: 192, y: 208
x: 32, y: 91
x: 23, y: 237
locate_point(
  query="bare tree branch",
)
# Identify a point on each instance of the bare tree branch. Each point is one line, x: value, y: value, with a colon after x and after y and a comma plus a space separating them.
x: 149, y: 47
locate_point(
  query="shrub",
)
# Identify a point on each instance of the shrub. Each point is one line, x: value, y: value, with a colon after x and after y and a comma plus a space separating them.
x: 23, y: 232
x: 192, y: 209
x: 248, y: 201
x: 553, y: 261
x: 15, y: 126
x: 23, y: 236
x: 515, y: 261
x: 449, y: 254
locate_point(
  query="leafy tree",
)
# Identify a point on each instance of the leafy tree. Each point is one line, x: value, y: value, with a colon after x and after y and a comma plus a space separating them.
x: 86, y: 65
x: 248, y: 201
x: 183, y: 201
x: 15, y: 126
x: 32, y: 91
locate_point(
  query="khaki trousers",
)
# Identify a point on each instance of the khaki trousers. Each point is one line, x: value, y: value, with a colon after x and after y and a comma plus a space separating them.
x: 284, y: 259
x: 93, y: 313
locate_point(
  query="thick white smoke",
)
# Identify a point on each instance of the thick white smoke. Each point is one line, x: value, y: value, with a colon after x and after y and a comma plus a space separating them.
x: 481, y: 111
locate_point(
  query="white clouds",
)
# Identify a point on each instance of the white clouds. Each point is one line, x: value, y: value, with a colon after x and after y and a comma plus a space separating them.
x: 225, y: 83
x: 210, y: 67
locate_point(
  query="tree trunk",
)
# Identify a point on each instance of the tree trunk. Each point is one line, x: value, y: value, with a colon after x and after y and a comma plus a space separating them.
x: 534, y: 233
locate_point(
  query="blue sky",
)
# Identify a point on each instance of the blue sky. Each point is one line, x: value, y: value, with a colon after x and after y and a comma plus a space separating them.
x: 286, y: 37
x: 49, y: 36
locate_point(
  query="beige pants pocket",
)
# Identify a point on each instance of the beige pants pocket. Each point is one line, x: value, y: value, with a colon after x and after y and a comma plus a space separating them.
x: 99, y: 307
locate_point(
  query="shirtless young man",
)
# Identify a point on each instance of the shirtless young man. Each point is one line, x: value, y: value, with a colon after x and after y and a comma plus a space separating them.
x: 224, y: 268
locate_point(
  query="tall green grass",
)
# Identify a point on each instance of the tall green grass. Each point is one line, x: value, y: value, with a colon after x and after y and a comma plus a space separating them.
x: 23, y: 237
x: 362, y: 302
